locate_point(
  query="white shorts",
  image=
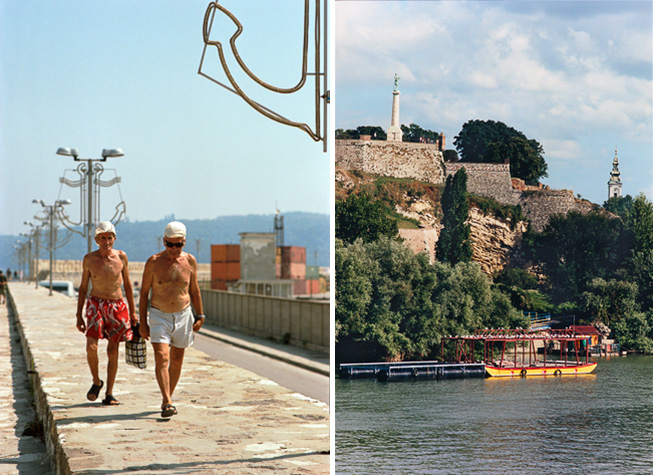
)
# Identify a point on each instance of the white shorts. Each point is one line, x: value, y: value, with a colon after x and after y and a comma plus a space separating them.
x: 175, y: 329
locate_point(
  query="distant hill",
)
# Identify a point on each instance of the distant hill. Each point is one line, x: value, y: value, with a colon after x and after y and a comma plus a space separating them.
x: 141, y: 239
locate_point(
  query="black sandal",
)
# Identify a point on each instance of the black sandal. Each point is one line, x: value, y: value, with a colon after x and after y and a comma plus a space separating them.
x: 168, y: 410
x: 94, y: 392
x: 110, y: 401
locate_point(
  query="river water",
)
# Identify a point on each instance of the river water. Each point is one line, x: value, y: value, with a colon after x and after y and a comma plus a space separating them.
x: 595, y: 424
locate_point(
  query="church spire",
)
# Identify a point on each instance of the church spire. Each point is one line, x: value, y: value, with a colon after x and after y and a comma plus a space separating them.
x: 614, y: 185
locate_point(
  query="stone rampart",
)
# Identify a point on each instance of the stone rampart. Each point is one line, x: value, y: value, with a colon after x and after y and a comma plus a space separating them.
x: 540, y: 205
x: 491, y: 180
x: 423, y: 162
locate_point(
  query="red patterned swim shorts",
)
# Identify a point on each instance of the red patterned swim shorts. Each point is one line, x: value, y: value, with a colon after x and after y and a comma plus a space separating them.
x: 108, y: 319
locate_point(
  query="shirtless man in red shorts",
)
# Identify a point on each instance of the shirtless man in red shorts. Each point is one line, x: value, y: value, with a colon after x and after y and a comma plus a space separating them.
x: 108, y: 316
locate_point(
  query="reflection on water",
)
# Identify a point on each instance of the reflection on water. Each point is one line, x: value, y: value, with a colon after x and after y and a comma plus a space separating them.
x: 594, y: 424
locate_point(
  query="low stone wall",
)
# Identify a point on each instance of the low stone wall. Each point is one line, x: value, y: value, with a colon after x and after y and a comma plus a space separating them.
x: 491, y: 180
x: 298, y: 322
x: 423, y: 162
x: 539, y: 206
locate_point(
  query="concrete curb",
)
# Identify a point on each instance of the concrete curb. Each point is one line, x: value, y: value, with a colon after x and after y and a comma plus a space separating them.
x: 52, y: 439
x: 269, y: 352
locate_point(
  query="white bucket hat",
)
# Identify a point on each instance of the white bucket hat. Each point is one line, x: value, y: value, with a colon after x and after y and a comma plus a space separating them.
x: 105, y: 227
x: 175, y: 229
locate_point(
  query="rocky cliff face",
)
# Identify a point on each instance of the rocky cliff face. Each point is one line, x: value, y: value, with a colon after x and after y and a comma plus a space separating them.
x: 494, y: 243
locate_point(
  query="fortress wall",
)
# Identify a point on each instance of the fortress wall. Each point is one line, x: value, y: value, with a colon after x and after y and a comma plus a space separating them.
x: 423, y: 162
x: 488, y: 179
x: 539, y: 206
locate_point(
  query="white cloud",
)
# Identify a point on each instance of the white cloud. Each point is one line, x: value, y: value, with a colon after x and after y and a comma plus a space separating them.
x: 560, y: 149
x: 567, y: 77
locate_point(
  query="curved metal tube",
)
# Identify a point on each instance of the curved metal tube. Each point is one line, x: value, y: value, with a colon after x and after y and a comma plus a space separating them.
x: 210, y: 13
x: 206, y: 30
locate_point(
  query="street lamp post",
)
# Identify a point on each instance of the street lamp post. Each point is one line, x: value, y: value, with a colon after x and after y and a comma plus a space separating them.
x: 50, y: 211
x: 29, y: 254
x: 20, y: 256
x: 37, y: 243
x: 90, y: 168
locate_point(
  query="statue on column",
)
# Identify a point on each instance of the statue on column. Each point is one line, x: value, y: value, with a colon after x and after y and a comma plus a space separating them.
x: 396, y: 88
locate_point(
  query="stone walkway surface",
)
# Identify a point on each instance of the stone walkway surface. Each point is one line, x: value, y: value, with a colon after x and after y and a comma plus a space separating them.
x: 230, y: 420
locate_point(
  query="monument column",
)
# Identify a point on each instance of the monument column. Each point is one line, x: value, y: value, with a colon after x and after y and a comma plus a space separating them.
x: 394, y: 132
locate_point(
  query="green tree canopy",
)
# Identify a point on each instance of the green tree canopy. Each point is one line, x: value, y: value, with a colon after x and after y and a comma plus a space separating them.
x: 414, y: 133
x: 494, y: 142
x: 360, y: 217
x: 516, y: 278
x: 453, y: 244
x: 619, y: 205
x: 575, y: 248
x: 640, y: 220
x: 635, y: 332
x: 450, y: 156
x: 609, y: 300
x: 376, y: 132
x: 398, y: 306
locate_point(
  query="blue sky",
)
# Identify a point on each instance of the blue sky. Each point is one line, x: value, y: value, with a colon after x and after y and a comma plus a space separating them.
x: 577, y: 76
x: 123, y: 74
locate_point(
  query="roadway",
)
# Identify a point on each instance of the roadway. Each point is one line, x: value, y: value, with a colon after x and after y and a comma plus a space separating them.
x: 304, y: 381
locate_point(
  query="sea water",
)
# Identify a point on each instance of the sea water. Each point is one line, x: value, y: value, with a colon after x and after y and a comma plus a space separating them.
x: 595, y: 424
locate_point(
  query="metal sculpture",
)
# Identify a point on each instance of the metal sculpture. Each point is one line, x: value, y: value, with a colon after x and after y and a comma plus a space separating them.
x: 321, y: 92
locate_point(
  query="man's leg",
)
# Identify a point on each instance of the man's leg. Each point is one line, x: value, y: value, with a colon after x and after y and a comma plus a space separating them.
x: 92, y: 359
x: 161, y: 363
x: 112, y: 367
x: 176, y: 361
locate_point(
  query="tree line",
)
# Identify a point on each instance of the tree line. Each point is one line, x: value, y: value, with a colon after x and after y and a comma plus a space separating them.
x: 479, y: 141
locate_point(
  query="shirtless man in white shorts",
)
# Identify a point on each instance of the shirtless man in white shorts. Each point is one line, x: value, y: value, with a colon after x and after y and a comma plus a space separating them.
x: 171, y: 275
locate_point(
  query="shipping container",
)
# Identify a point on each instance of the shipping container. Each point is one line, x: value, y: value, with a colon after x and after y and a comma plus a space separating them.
x: 229, y: 271
x: 295, y: 254
x: 218, y: 284
x: 225, y: 252
x: 293, y: 271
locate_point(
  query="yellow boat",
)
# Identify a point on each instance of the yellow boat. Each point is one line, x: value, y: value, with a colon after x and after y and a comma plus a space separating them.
x: 540, y: 370
x: 515, y: 352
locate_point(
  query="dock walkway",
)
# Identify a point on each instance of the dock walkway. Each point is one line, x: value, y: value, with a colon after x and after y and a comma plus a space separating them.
x: 230, y: 420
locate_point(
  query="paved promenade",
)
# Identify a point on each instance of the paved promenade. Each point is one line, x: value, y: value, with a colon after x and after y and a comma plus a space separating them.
x: 230, y: 420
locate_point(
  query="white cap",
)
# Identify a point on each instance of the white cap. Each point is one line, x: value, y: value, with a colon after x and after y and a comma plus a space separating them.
x: 175, y: 229
x: 105, y: 227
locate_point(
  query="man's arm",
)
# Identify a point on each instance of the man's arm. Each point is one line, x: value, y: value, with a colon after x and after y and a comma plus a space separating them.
x: 129, y: 291
x: 143, y: 302
x: 81, y: 295
x: 195, y: 294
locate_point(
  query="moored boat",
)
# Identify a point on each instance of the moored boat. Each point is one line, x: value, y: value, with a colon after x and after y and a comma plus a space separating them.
x: 540, y: 371
x: 522, y: 353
